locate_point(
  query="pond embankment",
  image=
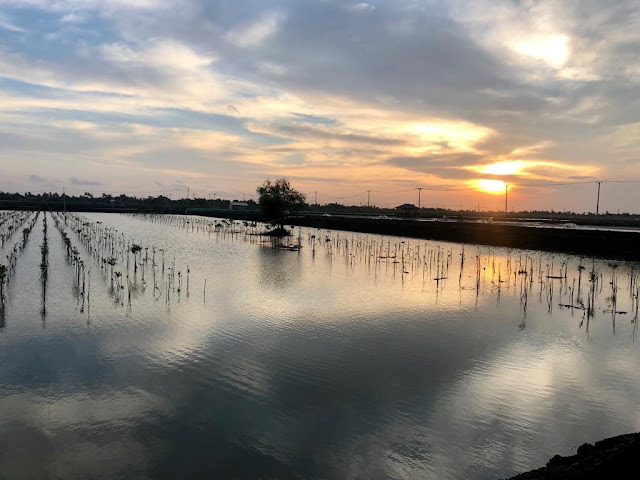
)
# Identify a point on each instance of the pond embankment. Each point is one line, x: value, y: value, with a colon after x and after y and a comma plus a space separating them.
x: 614, y: 244
x: 614, y: 457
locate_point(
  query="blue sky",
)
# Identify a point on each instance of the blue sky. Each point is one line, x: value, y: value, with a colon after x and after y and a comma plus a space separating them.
x: 150, y: 96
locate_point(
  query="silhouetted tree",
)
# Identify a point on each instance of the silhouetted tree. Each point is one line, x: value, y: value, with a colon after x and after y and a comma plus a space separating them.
x: 277, y: 199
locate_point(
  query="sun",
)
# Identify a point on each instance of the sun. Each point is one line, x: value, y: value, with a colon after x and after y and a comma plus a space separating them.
x: 490, y: 186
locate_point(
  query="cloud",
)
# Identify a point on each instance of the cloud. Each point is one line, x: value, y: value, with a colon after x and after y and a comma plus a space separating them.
x: 6, y: 24
x: 37, y: 179
x: 362, y: 7
x: 167, y: 54
x: 272, y: 69
x: 257, y: 32
x: 233, y: 110
x: 74, y: 18
x: 407, y: 90
x: 314, y: 132
x: 84, y: 183
x: 581, y: 178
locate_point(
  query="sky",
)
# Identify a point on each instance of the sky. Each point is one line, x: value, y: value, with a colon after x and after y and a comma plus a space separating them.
x: 457, y: 97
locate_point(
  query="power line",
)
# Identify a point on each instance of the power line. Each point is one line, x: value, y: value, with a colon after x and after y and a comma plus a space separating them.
x: 393, y: 191
x: 553, y: 184
x: 347, y: 197
x: 620, y: 181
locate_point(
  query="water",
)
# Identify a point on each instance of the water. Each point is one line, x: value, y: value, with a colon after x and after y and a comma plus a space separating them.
x: 327, y: 362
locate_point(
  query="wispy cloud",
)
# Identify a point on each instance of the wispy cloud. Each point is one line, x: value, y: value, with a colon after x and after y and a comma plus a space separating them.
x: 257, y: 32
x: 6, y: 24
x: 84, y: 183
x: 362, y: 7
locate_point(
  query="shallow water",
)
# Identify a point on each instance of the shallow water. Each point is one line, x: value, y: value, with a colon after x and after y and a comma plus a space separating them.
x: 327, y: 362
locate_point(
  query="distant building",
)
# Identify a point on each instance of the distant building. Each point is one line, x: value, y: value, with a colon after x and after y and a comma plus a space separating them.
x: 407, y: 207
x: 238, y: 206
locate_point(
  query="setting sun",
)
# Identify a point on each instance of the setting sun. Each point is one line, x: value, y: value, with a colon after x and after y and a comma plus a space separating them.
x: 490, y: 186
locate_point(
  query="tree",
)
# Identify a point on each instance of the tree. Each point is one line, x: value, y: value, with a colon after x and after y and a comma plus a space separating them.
x: 277, y: 199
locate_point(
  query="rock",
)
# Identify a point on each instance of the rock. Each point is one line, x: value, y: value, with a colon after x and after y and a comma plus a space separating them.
x: 609, y: 458
x: 585, y: 449
x: 559, y: 460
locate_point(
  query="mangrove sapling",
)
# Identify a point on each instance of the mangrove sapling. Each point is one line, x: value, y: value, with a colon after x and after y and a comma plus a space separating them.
x: 112, y: 262
x: 580, y: 269
x: 25, y: 236
x: 44, y: 264
x: 3, y: 279
x: 135, y: 249
x: 155, y: 282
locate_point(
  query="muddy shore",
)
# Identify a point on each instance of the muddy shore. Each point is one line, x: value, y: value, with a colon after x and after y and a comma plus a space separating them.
x: 611, y: 244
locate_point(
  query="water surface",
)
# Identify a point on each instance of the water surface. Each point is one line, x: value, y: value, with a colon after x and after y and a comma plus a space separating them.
x: 323, y: 362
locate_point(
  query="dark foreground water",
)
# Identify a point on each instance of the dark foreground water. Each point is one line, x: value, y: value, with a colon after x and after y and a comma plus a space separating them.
x: 324, y: 363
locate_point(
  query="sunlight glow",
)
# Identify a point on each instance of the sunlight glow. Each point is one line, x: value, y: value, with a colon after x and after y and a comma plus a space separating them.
x: 504, y: 168
x: 459, y: 135
x: 490, y: 186
x: 538, y: 169
x: 552, y: 50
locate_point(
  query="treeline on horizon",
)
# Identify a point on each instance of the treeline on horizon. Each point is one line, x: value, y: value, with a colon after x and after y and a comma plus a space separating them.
x: 164, y: 204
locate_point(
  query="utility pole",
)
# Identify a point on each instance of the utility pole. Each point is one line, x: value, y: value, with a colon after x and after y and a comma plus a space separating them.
x: 187, y: 208
x: 368, y: 198
x: 419, y: 192
x: 598, y: 201
x: 315, y: 198
x: 506, y: 198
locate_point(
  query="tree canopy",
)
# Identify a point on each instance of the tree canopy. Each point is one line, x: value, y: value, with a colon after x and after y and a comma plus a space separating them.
x: 278, y: 198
